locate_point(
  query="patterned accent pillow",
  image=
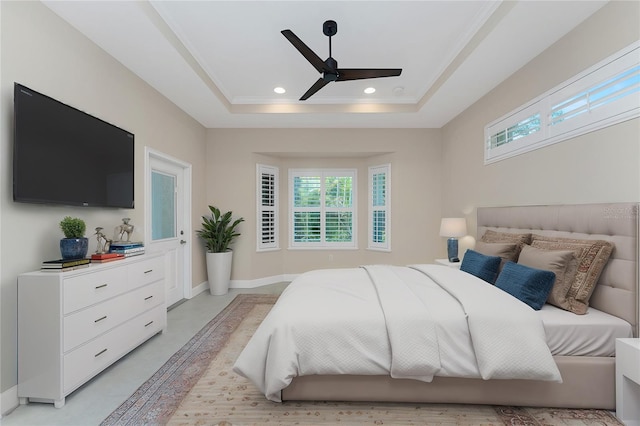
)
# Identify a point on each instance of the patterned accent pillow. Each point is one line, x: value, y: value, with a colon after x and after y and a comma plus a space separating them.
x: 530, y: 285
x: 563, y: 263
x: 592, y: 257
x: 491, y: 236
x: 484, y: 267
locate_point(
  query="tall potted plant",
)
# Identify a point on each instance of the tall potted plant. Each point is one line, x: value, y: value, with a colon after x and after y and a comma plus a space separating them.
x: 74, y: 245
x: 218, y: 232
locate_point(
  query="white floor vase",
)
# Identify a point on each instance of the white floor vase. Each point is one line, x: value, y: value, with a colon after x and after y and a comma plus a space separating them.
x: 219, y: 272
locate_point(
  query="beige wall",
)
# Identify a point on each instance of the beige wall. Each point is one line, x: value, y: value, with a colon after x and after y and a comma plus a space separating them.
x: 602, y: 166
x: 414, y: 155
x: 43, y: 52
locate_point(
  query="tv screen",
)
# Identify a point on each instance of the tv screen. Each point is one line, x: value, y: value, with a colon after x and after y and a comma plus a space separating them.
x: 62, y: 155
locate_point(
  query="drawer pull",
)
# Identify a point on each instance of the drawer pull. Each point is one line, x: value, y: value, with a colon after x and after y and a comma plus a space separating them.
x: 100, y: 319
x: 101, y: 286
x: 148, y: 324
x: 100, y: 353
x: 148, y: 297
x: 150, y: 270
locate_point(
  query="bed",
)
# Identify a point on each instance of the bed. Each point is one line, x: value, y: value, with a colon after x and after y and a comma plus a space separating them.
x: 587, y: 372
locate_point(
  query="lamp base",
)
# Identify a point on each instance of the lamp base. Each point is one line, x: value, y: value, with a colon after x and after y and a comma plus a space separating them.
x: 452, y: 250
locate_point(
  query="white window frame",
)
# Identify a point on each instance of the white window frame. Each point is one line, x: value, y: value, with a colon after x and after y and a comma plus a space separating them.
x: 385, y: 245
x: 625, y: 108
x: 262, y: 208
x: 323, y: 244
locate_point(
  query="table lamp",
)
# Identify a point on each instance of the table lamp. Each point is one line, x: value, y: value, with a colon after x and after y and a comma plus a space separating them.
x: 453, y: 227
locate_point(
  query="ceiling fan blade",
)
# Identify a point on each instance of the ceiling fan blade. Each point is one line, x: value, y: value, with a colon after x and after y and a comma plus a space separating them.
x: 345, y: 74
x: 316, y: 86
x: 306, y: 52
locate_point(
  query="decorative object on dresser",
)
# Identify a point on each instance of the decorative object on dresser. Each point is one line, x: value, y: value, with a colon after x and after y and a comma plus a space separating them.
x: 124, y: 229
x: 127, y: 249
x: 218, y: 232
x: 106, y: 257
x: 453, y: 227
x: 104, y: 243
x: 74, y: 245
x: 72, y: 326
x: 62, y: 265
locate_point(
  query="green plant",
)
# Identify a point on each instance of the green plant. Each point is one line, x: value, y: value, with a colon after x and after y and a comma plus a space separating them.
x: 218, y: 232
x: 73, y: 227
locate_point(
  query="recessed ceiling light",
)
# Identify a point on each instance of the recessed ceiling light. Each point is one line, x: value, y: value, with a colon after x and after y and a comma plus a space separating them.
x: 279, y: 90
x: 369, y: 90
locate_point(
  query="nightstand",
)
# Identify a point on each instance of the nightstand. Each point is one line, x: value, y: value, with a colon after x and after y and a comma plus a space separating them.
x: 628, y: 381
x: 446, y: 262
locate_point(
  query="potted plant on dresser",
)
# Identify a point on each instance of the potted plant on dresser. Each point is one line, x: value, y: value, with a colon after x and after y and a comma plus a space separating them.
x: 74, y: 245
x: 218, y: 232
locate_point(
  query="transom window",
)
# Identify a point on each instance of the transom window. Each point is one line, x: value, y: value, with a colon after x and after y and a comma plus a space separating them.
x: 603, y: 95
x: 322, y: 208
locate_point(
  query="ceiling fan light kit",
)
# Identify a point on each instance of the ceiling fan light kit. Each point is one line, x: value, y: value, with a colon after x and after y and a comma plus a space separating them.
x: 329, y: 67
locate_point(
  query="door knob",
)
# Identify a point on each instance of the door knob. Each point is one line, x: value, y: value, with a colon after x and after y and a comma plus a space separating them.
x: 183, y: 242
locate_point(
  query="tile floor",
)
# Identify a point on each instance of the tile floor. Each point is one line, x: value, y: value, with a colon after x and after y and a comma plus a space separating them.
x: 95, y: 400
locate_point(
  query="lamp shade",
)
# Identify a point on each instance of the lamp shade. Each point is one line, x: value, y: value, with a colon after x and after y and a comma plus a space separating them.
x: 453, y: 227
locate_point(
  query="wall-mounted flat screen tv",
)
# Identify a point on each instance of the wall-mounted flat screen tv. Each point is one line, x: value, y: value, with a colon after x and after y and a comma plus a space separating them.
x: 62, y: 155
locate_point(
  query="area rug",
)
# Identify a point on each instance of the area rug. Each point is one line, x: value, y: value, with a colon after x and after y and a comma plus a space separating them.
x: 197, y: 386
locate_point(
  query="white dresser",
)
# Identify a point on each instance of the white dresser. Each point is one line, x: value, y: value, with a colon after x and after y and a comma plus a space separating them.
x: 72, y: 325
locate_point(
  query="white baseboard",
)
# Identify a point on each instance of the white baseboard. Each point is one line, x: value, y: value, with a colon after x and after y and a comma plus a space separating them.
x: 9, y: 401
x: 203, y: 286
x: 259, y: 282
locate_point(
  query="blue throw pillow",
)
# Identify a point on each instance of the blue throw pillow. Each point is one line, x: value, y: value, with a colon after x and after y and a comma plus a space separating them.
x: 530, y: 285
x: 481, y: 265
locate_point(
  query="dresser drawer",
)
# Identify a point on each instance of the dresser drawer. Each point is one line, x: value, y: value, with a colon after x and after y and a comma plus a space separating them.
x: 84, y: 362
x: 84, y: 325
x: 146, y: 272
x: 87, y: 289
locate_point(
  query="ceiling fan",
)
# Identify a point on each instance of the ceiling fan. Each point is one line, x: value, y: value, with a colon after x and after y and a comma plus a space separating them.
x: 329, y: 67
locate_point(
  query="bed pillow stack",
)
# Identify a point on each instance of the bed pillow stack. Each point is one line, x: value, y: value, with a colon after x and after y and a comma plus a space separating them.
x: 591, y: 257
x: 576, y: 266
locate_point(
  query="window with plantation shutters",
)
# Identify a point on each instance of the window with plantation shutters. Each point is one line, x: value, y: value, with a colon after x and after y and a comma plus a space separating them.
x: 322, y: 208
x: 267, y: 220
x: 380, y: 207
x: 603, y: 95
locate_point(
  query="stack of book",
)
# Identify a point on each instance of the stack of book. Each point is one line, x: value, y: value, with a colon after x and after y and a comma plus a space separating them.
x: 105, y: 257
x: 127, y: 248
x: 61, y: 265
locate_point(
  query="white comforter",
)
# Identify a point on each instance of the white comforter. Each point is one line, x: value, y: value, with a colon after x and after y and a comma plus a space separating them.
x: 408, y: 322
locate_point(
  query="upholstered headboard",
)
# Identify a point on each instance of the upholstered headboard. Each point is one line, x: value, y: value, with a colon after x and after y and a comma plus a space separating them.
x: 617, y: 291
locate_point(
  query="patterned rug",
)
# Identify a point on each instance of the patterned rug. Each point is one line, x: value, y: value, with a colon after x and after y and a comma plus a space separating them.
x: 196, y: 386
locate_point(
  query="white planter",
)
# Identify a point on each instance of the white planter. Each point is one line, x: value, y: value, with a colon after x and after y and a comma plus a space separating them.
x: 219, y: 272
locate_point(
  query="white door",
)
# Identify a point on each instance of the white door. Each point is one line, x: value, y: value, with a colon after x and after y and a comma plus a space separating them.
x: 168, y: 226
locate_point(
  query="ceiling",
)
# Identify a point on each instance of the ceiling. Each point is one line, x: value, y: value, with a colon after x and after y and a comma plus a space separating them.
x: 219, y: 61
